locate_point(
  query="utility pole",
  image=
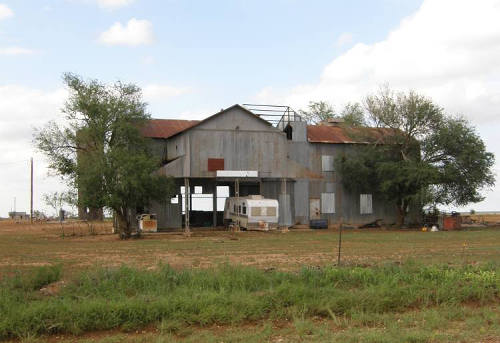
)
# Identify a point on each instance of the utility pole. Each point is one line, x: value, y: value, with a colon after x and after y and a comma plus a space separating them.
x: 31, y: 198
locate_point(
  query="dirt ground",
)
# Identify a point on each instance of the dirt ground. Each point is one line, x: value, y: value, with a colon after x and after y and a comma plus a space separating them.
x: 77, y: 245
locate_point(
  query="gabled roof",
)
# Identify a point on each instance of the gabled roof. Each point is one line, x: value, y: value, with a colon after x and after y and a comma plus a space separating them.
x: 346, y: 135
x: 166, y: 128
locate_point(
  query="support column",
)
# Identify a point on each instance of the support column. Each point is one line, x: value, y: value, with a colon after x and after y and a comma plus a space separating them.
x: 285, y: 205
x: 187, y: 206
x: 214, y: 204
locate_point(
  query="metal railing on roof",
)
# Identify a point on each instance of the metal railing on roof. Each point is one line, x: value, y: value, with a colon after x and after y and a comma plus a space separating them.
x: 278, y: 115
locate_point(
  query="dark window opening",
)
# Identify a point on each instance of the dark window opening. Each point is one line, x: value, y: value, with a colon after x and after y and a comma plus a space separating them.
x: 288, y: 130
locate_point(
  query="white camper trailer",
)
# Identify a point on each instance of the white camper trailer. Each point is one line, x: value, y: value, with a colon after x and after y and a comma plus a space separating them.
x: 253, y: 212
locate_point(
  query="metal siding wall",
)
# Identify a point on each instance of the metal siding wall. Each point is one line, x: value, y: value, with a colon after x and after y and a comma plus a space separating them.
x: 299, y: 133
x: 284, y: 202
x: 167, y: 214
x: 301, y: 201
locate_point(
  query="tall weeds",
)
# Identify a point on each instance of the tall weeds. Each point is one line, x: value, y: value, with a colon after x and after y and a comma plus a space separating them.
x: 130, y: 298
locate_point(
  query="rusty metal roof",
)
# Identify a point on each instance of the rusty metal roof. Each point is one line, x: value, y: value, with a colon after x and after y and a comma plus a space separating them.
x: 165, y: 128
x: 345, y: 135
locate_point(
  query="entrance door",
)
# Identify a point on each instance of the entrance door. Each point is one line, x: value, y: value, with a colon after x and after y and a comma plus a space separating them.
x: 314, y: 209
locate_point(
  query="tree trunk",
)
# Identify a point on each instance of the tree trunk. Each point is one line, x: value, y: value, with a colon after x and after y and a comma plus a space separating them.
x: 124, y: 229
x: 96, y: 214
x: 401, y: 208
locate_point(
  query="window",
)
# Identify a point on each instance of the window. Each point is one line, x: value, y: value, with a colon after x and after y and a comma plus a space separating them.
x: 255, y: 211
x: 244, y: 209
x: 239, y: 209
x: 271, y: 211
x: 327, y: 202
x: 198, y: 189
x: 234, y: 208
x: 327, y: 163
x: 365, y: 204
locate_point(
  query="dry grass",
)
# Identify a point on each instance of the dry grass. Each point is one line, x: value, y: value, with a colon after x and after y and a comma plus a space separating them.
x: 23, y: 246
x: 486, y: 218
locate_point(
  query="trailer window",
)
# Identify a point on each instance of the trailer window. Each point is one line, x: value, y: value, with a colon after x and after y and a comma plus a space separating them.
x: 271, y: 211
x: 244, y: 209
x: 239, y: 209
x: 255, y: 211
x: 234, y: 208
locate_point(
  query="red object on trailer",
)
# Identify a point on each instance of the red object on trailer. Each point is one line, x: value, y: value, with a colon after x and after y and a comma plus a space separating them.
x: 453, y: 222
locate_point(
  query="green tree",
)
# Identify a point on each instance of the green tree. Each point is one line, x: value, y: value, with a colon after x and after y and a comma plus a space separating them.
x: 420, y: 156
x: 352, y: 114
x: 317, y: 112
x: 99, y: 150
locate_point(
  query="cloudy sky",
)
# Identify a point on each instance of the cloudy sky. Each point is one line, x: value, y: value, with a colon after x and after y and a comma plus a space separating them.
x: 194, y: 57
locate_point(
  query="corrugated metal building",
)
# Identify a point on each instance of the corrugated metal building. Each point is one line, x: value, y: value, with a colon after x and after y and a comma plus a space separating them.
x: 294, y: 163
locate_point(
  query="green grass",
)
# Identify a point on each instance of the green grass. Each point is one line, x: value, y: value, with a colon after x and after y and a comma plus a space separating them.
x: 351, y: 298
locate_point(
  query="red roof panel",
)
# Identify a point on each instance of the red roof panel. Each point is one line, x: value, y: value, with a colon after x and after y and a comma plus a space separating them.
x: 165, y: 128
x: 339, y: 134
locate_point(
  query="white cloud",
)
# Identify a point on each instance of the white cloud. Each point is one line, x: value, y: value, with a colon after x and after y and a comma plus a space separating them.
x: 15, y: 50
x: 5, y: 12
x: 113, y: 4
x: 136, y: 32
x: 344, y: 38
x: 154, y: 92
x: 21, y: 109
x: 448, y: 50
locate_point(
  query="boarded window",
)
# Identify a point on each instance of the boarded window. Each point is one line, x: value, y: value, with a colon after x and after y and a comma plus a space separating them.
x: 215, y: 164
x: 255, y: 211
x: 327, y: 202
x: 365, y: 204
x: 271, y: 211
x: 327, y: 163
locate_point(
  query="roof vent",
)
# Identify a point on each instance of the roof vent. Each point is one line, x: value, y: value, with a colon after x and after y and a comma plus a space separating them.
x: 332, y: 122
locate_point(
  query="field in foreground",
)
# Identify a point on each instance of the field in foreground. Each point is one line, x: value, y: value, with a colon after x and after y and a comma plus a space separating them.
x: 249, y: 286
x: 27, y: 246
